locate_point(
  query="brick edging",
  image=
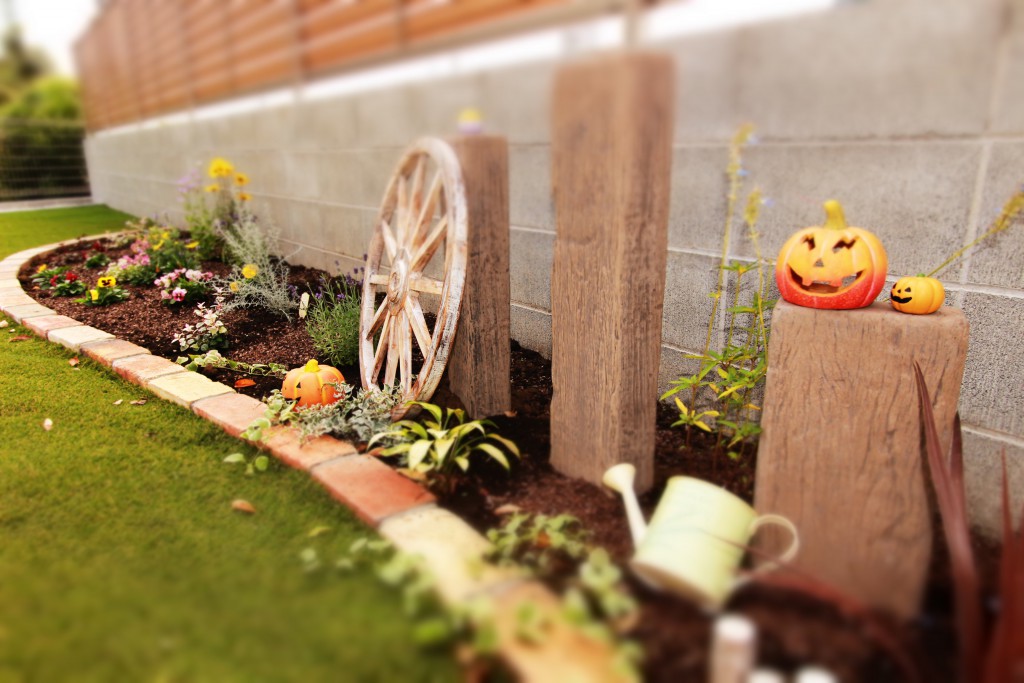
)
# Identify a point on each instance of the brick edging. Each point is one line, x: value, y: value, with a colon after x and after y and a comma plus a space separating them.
x: 398, y: 508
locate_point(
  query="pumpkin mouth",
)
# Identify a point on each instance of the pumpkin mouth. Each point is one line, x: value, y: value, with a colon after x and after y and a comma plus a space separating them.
x: 825, y: 286
x: 902, y: 299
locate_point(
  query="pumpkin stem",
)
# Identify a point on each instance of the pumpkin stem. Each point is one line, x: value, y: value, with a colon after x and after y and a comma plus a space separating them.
x: 312, y: 366
x: 835, y: 218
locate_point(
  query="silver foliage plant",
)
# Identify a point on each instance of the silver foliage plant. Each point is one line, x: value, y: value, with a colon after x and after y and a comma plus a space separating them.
x: 247, y: 245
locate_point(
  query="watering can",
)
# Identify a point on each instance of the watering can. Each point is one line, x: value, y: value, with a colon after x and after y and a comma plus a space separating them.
x: 696, y: 539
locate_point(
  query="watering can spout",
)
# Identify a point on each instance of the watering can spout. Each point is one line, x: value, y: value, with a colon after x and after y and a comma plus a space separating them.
x: 620, y: 478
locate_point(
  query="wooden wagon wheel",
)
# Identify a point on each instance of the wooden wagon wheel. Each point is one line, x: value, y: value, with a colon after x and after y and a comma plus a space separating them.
x: 424, y: 207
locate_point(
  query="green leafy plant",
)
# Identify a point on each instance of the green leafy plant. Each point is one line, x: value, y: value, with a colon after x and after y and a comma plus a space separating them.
x: 257, y: 280
x: 167, y: 252
x: 97, y: 260
x: 545, y: 545
x: 44, y: 277
x: 183, y: 286
x: 358, y: 415
x: 209, y: 333
x: 332, y: 320
x: 67, y: 284
x: 442, y: 444
x: 723, y: 394
x: 214, y: 359
x: 259, y: 463
x: 106, y: 292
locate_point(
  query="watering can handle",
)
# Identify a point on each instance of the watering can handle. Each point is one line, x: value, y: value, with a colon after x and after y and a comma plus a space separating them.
x: 788, y: 554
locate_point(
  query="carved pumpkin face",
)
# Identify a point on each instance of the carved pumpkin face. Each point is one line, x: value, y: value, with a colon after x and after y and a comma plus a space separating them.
x: 832, y: 266
x: 919, y: 295
x: 312, y: 384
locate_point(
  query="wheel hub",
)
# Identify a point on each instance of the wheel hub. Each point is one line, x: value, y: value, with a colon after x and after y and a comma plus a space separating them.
x: 398, y: 282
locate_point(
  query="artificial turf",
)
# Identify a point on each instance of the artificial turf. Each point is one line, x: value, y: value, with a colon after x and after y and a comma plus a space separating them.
x: 121, y: 558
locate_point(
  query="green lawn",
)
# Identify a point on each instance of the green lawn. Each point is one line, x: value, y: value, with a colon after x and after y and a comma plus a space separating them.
x: 120, y: 556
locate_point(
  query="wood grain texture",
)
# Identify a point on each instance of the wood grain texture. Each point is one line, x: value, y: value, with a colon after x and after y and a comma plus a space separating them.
x: 841, y: 452
x: 479, y: 365
x: 611, y: 148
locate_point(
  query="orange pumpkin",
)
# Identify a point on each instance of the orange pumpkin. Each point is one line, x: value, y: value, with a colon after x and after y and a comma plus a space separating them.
x: 919, y: 295
x: 831, y: 266
x: 310, y: 384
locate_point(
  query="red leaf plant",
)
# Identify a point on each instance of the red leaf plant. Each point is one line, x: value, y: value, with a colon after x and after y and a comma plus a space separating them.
x: 994, y: 655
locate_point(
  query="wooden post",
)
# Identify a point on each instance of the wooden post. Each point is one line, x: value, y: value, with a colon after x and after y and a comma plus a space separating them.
x: 841, y: 454
x: 478, y: 368
x: 612, y: 154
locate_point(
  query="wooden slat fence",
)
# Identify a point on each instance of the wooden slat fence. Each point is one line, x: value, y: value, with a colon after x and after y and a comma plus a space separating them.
x: 141, y: 58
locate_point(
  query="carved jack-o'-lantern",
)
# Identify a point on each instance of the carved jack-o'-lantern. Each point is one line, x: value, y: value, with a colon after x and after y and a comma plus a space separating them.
x: 312, y: 384
x: 831, y: 266
x: 919, y: 295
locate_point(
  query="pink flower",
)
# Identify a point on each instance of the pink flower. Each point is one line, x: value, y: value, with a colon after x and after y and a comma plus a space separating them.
x: 178, y: 294
x: 164, y: 295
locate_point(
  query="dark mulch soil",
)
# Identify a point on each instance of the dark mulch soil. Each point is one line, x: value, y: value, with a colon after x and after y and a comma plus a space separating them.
x: 794, y: 629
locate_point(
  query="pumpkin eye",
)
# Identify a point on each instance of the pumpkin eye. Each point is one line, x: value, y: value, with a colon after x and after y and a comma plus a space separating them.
x: 907, y: 290
x: 843, y: 244
x: 810, y: 241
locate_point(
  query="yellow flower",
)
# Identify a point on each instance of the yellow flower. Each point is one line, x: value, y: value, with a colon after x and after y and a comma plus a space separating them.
x: 220, y: 168
x: 244, y: 196
x: 41, y: 268
x: 192, y: 245
x: 94, y: 294
x: 156, y: 247
x: 241, y: 179
x: 249, y: 271
x: 165, y: 234
x: 233, y: 286
x: 212, y: 188
x: 106, y: 282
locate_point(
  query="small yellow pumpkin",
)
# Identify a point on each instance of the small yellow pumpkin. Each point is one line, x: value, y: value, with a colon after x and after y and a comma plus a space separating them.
x: 919, y: 295
x: 312, y: 384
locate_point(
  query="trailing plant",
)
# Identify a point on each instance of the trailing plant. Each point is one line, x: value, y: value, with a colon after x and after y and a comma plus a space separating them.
x: 209, y: 333
x: 358, y: 415
x: 987, y: 655
x: 183, y: 286
x: 259, y: 463
x: 440, y: 446
x: 213, y: 359
x: 106, y: 292
x: 257, y: 280
x: 1012, y: 212
x: 67, y: 284
x: 723, y: 394
x: 332, y: 320
x: 543, y: 544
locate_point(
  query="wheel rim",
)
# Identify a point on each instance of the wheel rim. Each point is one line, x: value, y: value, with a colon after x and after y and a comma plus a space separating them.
x: 424, y: 207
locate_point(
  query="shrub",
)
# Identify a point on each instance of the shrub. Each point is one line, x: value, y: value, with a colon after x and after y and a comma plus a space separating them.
x: 332, y: 320
x: 258, y: 280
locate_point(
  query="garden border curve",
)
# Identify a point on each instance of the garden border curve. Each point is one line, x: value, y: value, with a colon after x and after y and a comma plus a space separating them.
x: 398, y: 508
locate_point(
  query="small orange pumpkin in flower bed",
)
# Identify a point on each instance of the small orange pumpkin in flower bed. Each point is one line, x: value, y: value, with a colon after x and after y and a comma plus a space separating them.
x: 311, y: 384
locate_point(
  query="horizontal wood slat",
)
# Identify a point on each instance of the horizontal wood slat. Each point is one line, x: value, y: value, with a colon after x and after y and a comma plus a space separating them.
x: 141, y: 58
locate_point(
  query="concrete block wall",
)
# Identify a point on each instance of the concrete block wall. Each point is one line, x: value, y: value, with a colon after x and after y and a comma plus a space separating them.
x: 911, y: 112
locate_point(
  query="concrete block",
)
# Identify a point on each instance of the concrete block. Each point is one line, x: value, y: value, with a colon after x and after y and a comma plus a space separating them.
x: 387, y: 117
x: 328, y: 124
x: 341, y: 178
x: 531, y: 202
x: 374, y: 169
x: 141, y: 369
x: 689, y: 279
x: 869, y: 70
x: 530, y: 257
x: 42, y: 324
x: 370, y: 488
x: 185, y: 388
x: 706, y: 81
x: 19, y: 313
x: 516, y: 103
x: 440, y: 101
x: 107, y: 351
x: 983, y: 479
x: 993, y: 388
x: 345, y: 230
x: 74, y: 337
x: 452, y: 550
x: 998, y: 261
x: 1009, y: 110
x: 231, y: 412
x: 15, y: 299
x: 265, y: 168
x: 287, y: 446
x: 531, y: 328
x: 915, y: 197
x: 304, y: 175
x: 673, y: 366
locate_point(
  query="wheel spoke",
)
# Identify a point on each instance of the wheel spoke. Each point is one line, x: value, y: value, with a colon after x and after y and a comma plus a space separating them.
x: 416, y: 196
x: 392, y: 365
x: 425, y: 252
x: 425, y: 284
x: 378, y: 317
x: 379, y: 279
x: 418, y: 324
x: 405, y: 350
x: 382, y: 347
x: 426, y: 212
x: 390, y: 246
x: 402, y: 211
